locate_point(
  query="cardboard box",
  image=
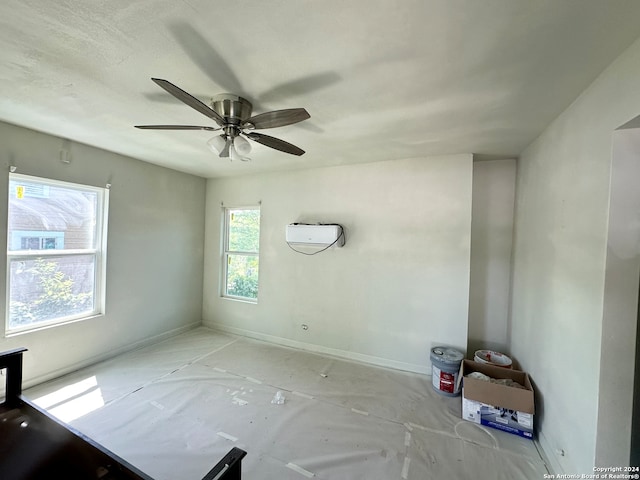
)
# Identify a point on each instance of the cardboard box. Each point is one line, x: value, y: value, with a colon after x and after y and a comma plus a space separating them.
x: 509, y: 409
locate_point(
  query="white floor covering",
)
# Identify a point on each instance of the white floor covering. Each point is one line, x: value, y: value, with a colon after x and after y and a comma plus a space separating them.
x: 175, y: 408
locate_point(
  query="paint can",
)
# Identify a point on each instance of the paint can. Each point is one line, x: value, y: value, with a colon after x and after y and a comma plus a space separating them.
x: 445, y: 362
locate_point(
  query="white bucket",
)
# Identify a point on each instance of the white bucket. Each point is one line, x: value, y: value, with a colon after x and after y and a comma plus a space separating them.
x: 445, y: 363
x: 490, y: 357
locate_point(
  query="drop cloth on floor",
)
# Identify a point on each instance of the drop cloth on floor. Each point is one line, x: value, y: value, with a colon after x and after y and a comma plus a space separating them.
x: 175, y: 408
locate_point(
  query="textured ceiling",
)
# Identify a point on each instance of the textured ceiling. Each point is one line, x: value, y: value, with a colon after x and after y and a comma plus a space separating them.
x: 382, y: 80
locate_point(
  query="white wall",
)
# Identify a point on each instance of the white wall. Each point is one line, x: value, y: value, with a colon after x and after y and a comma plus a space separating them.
x: 562, y: 197
x: 491, y: 244
x: 398, y: 287
x: 154, y: 252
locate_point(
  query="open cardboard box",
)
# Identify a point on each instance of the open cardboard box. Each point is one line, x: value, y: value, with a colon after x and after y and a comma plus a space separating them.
x: 509, y: 409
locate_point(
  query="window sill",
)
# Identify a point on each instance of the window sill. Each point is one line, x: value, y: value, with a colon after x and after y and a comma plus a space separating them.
x: 38, y: 328
x: 240, y: 299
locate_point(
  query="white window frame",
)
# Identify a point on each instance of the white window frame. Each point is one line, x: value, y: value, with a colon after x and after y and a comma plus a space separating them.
x: 226, y: 212
x: 99, y: 252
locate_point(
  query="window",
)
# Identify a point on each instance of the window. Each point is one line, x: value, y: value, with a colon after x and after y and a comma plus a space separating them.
x: 241, y: 251
x: 56, y: 239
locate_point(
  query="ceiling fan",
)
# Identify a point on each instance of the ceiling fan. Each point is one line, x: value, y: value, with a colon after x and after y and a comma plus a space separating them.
x: 232, y: 114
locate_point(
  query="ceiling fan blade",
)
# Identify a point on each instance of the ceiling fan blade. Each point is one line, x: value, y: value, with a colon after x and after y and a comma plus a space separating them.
x: 277, y: 118
x: 275, y: 143
x: 164, y: 97
x: 176, y: 127
x: 193, y: 102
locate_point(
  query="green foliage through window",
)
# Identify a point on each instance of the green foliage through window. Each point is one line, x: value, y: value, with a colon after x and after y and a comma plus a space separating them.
x: 54, y: 295
x: 244, y: 230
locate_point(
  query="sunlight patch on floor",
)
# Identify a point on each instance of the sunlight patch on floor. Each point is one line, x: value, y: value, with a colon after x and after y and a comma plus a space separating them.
x: 73, y: 401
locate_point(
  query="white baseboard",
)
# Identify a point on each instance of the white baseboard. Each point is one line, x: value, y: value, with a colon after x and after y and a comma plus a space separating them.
x: 548, y: 454
x: 309, y: 347
x: 30, y: 382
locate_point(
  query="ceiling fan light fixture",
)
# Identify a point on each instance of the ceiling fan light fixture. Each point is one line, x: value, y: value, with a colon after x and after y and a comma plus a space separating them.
x: 242, y: 145
x: 236, y: 153
x: 217, y: 143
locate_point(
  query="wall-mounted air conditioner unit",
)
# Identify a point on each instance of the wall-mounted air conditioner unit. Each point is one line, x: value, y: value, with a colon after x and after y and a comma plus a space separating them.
x: 315, y: 235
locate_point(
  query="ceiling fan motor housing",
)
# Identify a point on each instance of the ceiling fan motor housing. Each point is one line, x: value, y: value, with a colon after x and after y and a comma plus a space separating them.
x: 234, y: 109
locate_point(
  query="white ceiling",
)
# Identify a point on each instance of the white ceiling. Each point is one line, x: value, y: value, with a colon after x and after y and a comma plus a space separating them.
x: 381, y: 79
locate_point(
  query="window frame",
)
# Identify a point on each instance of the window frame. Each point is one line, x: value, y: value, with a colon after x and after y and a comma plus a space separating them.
x: 98, y: 251
x: 226, y: 253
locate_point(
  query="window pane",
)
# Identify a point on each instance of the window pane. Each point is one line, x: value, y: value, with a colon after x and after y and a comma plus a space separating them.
x: 244, y: 230
x: 45, y: 217
x: 242, y: 276
x: 44, y: 289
